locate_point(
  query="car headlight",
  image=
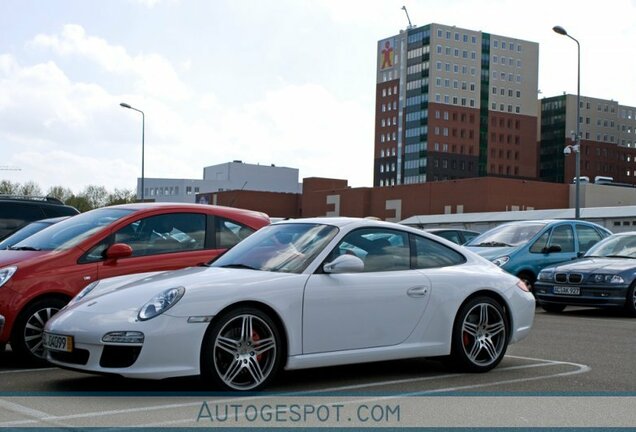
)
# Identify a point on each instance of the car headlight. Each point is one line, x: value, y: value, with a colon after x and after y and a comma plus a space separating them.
x: 160, y: 303
x: 501, y: 261
x: 607, y: 278
x: 545, y: 276
x: 83, y: 293
x: 6, y: 273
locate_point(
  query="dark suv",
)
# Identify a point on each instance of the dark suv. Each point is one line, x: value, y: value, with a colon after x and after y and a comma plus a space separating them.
x: 17, y: 211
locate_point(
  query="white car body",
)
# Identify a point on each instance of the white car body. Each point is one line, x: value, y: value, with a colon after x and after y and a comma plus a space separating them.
x: 325, y: 318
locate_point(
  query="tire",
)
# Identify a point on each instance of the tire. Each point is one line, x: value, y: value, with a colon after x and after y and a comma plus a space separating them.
x: 26, y: 341
x: 242, y: 350
x: 630, y: 301
x: 480, y: 335
x: 552, y: 307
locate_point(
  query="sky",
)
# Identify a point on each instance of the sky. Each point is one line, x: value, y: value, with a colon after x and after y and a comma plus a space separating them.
x: 284, y: 82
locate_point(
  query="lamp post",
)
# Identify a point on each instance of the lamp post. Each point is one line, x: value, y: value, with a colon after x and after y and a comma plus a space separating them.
x: 143, y: 127
x: 576, y: 148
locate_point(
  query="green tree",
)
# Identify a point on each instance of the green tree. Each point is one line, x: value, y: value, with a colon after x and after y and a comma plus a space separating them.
x: 81, y: 203
x: 121, y: 196
x: 60, y: 192
x: 8, y: 187
x: 30, y: 188
x: 97, y: 196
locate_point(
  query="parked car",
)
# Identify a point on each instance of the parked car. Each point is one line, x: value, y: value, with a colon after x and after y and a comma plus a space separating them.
x: 17, y: 211
x: 456, y: 235
x: 40, y: 274
x: 523, y: 248
x: 605, y: 277
x: 298, y: 294
x: 28, y: 230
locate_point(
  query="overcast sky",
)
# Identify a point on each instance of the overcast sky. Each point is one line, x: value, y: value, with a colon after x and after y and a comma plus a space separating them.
x: 288, y: 82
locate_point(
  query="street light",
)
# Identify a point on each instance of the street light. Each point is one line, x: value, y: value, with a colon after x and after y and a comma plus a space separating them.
x: 143, y: 127
x: 576, y: 148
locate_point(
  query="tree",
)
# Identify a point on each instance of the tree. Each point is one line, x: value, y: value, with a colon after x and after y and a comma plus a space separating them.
x: 79, y: 202
x: 121, y: 196
x: 7, y: 187
x: 97, y: 196
x: 60, y: 192
x: 30, y: 188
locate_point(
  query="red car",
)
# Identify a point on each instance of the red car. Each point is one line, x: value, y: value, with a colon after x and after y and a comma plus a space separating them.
x: 40, y: 274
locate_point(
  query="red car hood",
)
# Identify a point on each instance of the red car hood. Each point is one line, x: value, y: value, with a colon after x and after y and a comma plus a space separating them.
x: 8, y: 257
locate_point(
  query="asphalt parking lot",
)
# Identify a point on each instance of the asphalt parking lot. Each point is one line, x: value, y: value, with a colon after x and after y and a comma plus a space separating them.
x: 580, y: 351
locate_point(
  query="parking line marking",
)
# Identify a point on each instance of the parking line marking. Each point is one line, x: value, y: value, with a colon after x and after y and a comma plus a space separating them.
x: 542, y: 363
x: 27, y: 370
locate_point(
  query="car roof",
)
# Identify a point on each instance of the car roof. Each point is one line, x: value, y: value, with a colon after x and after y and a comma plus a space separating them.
x: 187, y: 206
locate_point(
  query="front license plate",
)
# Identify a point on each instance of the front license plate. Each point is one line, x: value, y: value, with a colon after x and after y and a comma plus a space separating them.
x: 55, y: 342
x: 567, y: 290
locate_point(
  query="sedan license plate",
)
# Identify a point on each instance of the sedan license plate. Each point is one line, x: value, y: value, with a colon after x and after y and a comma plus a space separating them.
x: 567, y: 290
x: 55, y: 342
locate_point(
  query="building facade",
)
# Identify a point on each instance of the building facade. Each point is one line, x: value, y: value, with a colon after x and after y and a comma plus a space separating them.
x: 228, y: 176
x: 454, y: 103
x: 608, y: 139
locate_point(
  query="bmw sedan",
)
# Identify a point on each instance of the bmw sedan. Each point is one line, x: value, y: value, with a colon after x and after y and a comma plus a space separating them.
x: 604, y: 277
x: 298, y: 294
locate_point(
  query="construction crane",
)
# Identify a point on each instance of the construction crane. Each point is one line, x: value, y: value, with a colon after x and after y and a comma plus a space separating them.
x: 407, y: 17
x: 9, y: 168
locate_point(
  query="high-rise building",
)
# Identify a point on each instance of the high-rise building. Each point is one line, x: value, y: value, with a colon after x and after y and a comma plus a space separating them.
x: 608, y: 139
x: 455, y: 103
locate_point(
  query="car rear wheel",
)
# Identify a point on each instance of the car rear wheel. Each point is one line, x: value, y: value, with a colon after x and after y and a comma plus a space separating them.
x: 552, y: 308
x: 630, y: 302
x: 27, y: 341
x: 242, y: 350
x: 480, y: 335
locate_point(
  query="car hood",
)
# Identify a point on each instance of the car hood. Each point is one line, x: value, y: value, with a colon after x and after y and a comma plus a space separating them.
x: 9, y: 257
x: 596, y: 265
x: 492, y: 252
x: 209, y: 284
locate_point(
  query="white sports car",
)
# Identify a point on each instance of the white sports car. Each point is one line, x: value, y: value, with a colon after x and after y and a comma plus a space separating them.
x: 297, y: 294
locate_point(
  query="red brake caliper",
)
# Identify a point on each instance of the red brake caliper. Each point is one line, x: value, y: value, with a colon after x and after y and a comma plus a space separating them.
x: 256, y: 337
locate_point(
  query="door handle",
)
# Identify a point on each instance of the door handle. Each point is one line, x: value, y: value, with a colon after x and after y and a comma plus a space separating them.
x: 419, y: 291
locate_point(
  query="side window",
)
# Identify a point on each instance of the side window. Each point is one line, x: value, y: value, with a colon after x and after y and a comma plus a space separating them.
x: 15, y: 215
x: 379, y: 249
x: 229, y: 233
x: 96, y: 253
x: 563, y: 236
x: 175, y: 232
x: 587, y: 236
x: 541, y: 243
x: 469, y: 236
x: 430, y: 254
x: 450, y: 235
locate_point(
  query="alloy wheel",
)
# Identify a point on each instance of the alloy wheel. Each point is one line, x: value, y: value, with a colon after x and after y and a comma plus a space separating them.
x: 34, y: 329
x: 483, y: 334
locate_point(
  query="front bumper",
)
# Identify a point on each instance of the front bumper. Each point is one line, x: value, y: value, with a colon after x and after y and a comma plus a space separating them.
x: 171, y: 346
x: 592, y: 296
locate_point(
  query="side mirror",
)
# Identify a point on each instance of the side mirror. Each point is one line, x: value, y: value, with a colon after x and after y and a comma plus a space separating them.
x: 118, y: 250
x: 552, y: 248
x: 344, y: 264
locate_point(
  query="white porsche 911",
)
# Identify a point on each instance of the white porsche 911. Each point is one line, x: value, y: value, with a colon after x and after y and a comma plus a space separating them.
x: 297, y: 294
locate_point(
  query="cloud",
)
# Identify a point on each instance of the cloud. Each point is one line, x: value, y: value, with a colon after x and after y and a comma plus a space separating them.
x: 153, y: 74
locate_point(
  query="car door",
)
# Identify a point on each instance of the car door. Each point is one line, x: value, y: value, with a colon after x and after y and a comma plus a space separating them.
x: 561, y: 235
x: 160, y: 242
x: 377, y: 307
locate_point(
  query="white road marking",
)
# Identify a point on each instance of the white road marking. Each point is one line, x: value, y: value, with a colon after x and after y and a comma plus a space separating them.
x: 27, y: 370
x: 580, y: 368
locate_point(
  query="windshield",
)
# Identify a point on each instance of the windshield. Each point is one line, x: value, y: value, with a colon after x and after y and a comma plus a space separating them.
x: 23, y: 233
x: 618, y: 245
x: 287, y: 248
x: 69, y: 232
x: 508, y: 235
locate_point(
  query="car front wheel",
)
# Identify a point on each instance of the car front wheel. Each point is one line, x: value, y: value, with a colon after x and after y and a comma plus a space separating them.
x: 630, y: 302
x: 480, y: 335
x: 552, y: 308
x: 242, y: 350
x: 27, y: 342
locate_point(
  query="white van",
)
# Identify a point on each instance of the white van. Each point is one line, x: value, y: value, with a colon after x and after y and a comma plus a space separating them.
x: 584, y: 180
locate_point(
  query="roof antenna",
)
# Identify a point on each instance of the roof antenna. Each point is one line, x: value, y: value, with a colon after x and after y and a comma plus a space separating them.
x: 407, y: 17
